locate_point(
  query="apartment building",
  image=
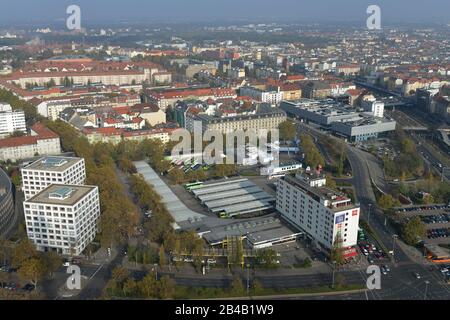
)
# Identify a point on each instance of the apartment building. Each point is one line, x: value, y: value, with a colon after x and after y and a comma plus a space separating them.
x: 52, y: 170
x: 41, y: 141
x: 11, y: 120
x: 324, y: 215
x: 272, y: 97
x: 268, y: 119
x: 63, y: 218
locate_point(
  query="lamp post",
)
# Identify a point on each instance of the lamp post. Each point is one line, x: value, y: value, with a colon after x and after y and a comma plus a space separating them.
x: 248, y: 279
x: 426, y: 290
x: 393, y: 246
x: 334, y: 268
x: 156, y: 271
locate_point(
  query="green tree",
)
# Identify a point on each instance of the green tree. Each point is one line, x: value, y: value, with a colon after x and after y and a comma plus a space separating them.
x: 237, y: 287
x: 130, y: 288
x: 386, y: 202
x: 287, y: 130
x: 167, y: 288
x: 52, y: 262
x: 33, y: 270
x: 120, y: 275
x: 176, y: 175
x: 336, y: 254
x: 148, y: 286
x: 257, y: 288
x: 413, y: 231
x: 162, y: 256
x: 24, y: 251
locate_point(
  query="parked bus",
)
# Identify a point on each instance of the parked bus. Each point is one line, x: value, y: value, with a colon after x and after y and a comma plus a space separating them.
x: 190, y: 186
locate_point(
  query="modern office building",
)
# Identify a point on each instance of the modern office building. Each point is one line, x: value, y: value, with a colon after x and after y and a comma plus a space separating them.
x: 63, y: 218
x: 341, y: 119
x: 11, y: 120
x: 6, y: 203
x: 320, y: 212
x: 52, y: 170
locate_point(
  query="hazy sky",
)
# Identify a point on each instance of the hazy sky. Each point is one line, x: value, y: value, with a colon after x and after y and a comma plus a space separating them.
x: 52, y: 11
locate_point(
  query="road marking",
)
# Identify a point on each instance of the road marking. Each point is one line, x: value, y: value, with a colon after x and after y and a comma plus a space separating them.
x: 93, y: 275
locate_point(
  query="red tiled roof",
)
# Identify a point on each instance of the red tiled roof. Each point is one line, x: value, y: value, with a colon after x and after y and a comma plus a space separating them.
x: 18, y: 141
x: 43, y: 132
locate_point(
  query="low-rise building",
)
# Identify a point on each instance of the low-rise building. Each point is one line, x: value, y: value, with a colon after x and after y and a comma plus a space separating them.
x: 41, y: 141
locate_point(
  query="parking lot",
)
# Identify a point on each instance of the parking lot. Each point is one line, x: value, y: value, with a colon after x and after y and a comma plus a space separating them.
x: 11, y: 280
x: 436, y: 219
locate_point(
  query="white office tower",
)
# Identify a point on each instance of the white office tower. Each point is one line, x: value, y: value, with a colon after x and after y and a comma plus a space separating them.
x: 63, y: 218
x: 11, y: 121
x: 376, y: 108
x: 52, y: 170
x: 320, y: 212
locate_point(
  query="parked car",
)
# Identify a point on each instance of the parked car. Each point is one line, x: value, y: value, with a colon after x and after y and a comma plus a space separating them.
x: 28, y: 287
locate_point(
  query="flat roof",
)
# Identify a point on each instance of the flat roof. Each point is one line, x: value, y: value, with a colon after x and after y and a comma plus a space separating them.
x: 61, y: 194
x: 229, y: 194
x: 256, y: 230
x: 222, y: 188
x: 53, y: 163
x: 247, y: 207
x: 239, y: 199
x: 176, y: 208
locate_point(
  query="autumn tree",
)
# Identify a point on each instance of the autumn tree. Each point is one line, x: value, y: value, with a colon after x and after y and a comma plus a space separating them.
x: 32, y: 270
x: 413, y: 231
x: 287, y: 130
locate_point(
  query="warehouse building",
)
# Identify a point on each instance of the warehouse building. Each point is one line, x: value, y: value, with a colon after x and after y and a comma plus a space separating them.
x: 260, y: 232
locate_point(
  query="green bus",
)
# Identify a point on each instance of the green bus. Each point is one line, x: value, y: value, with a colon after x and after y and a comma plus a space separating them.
x: 190, y: 186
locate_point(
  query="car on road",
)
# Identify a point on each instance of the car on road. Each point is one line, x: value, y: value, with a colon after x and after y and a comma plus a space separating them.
x: 386, y: 267
x: 383, y: 270
x: 370, y: 259
x: 416, y: 275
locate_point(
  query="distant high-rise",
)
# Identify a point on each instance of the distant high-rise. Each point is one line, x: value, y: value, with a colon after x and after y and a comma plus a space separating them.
x: 11, y: 120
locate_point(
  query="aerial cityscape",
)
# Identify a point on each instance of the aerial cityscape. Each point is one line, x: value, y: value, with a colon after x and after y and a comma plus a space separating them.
x: 189, y: 151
